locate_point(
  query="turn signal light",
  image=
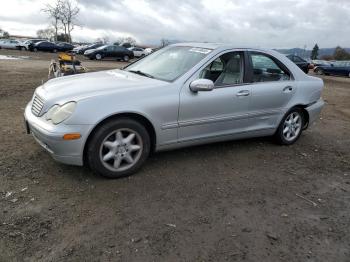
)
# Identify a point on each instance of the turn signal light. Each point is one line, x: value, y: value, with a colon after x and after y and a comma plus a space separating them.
x: 71, y: 136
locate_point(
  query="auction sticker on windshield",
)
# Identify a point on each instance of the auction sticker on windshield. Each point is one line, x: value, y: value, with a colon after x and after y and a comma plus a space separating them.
x: 200, y: 50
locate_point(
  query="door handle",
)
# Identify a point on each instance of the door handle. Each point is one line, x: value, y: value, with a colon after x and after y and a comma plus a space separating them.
x: 288, y: 89
x: 243, y: 93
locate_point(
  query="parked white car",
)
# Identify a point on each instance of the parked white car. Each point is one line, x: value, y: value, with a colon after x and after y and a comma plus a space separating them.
x: 138, y: 51
x: 9, y: 44
x: 148, y: 51
x: 24, y: 45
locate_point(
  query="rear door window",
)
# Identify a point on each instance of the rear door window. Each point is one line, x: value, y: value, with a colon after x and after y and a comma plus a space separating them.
x: 266, y: 69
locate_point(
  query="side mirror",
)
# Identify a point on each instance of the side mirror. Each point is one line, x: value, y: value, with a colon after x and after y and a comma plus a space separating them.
x: 201, y: 85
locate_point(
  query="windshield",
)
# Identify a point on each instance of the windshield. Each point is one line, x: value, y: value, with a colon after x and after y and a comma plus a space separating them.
x: 169, y: 63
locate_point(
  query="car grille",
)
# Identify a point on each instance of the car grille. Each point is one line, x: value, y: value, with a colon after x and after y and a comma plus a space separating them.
x: 37, y: 105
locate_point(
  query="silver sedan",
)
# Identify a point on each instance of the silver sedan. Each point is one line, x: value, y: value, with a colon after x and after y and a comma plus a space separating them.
x: 181, y: 95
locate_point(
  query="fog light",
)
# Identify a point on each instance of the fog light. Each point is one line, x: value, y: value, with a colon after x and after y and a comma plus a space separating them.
x: 71, y: 136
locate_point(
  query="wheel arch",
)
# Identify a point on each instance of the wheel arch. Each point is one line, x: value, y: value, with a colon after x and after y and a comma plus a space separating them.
x: 305, y: 113
x: 131, y: 115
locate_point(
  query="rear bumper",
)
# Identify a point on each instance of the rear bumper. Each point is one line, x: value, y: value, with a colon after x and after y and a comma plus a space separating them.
x: 314, y: 110
x: 50, y: 137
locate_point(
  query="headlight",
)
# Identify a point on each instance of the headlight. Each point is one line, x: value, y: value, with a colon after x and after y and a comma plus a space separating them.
x: 58, y: 114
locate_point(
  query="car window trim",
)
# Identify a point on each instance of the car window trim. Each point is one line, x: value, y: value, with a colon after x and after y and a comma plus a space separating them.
x: 277, y: 61
x: 216, y: 57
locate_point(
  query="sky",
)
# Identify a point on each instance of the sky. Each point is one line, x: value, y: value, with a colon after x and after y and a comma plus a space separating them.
x: 254, y: 23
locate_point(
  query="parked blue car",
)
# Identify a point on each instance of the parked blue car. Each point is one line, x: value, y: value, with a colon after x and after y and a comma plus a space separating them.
x: 339, y: 68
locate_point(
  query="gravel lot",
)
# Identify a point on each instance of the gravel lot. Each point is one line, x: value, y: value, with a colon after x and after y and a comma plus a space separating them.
x: 249, y: 200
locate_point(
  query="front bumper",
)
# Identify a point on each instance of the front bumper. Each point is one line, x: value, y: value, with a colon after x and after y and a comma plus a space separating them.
x: 50, y: 137
x: 314, y: 110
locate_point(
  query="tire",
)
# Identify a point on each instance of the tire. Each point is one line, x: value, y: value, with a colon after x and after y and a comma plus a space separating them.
x: 289, y: 130
x: 35, y: 49
x: 98, y: 56
x: 319, y: 71
x: 126, y: 58
x: 55, y: 50
x: 108, y: 158
x: 23, y: 48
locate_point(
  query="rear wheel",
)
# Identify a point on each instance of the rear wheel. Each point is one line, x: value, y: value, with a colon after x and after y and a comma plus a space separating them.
x: 35, y: 49
x: 23, y: 48
x: 290, y: 127
x: 55, y: 50
x: 118, y: 148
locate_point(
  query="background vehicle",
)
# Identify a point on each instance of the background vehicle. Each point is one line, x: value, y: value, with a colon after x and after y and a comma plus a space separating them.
x: 339, y: 68
x: 182, y: 95
x: 64, y: 47
x: 138, y: 51
x: 81, y: 49
x: 9, y: 44
x: 108, y: 51
x: 24, y: 45
x: 148, y: 51
x: 320, y: 62
x: 304, y: 65
x: 44, y: 46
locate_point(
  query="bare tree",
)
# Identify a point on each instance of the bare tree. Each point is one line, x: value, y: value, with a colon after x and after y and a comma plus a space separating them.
x: 164, y: 42
x: 48, y: 33
x: 68, y: 16
x: 63, y: 14
x: 128, y: 40
x: 53, y: 11
x: 4, y: 34
x: 102, y: 40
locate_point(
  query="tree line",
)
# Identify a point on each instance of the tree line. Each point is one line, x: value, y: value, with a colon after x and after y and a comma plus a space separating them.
x: 339, y: 54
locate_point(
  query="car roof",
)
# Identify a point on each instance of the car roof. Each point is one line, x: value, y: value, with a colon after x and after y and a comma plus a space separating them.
x: 219, y: 46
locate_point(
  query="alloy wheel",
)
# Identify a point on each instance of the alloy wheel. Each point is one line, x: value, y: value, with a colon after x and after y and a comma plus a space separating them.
x: 121, y: 149
x: 292, y: 126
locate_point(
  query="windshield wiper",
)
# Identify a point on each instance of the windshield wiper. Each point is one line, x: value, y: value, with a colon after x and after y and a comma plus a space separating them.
x: 141, y: 73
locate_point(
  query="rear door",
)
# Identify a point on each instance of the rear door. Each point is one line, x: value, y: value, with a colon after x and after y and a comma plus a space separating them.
x: 272, y: 88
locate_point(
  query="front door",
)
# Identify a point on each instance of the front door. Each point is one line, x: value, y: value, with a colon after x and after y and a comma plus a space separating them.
x: 222, y: 111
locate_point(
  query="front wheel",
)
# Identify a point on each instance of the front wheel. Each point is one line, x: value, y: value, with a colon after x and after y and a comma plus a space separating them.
x: 319, y: 71
x: 118, y: 148
x: 23, y: 48
x: 290, y: 127
x: 126, y: 58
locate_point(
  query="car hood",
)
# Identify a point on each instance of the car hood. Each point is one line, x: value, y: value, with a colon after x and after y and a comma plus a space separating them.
x: 78, y: 87
x: 89, y: 51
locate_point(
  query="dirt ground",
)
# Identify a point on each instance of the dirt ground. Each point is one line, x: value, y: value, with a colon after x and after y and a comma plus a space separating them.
x: 249, y: 200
